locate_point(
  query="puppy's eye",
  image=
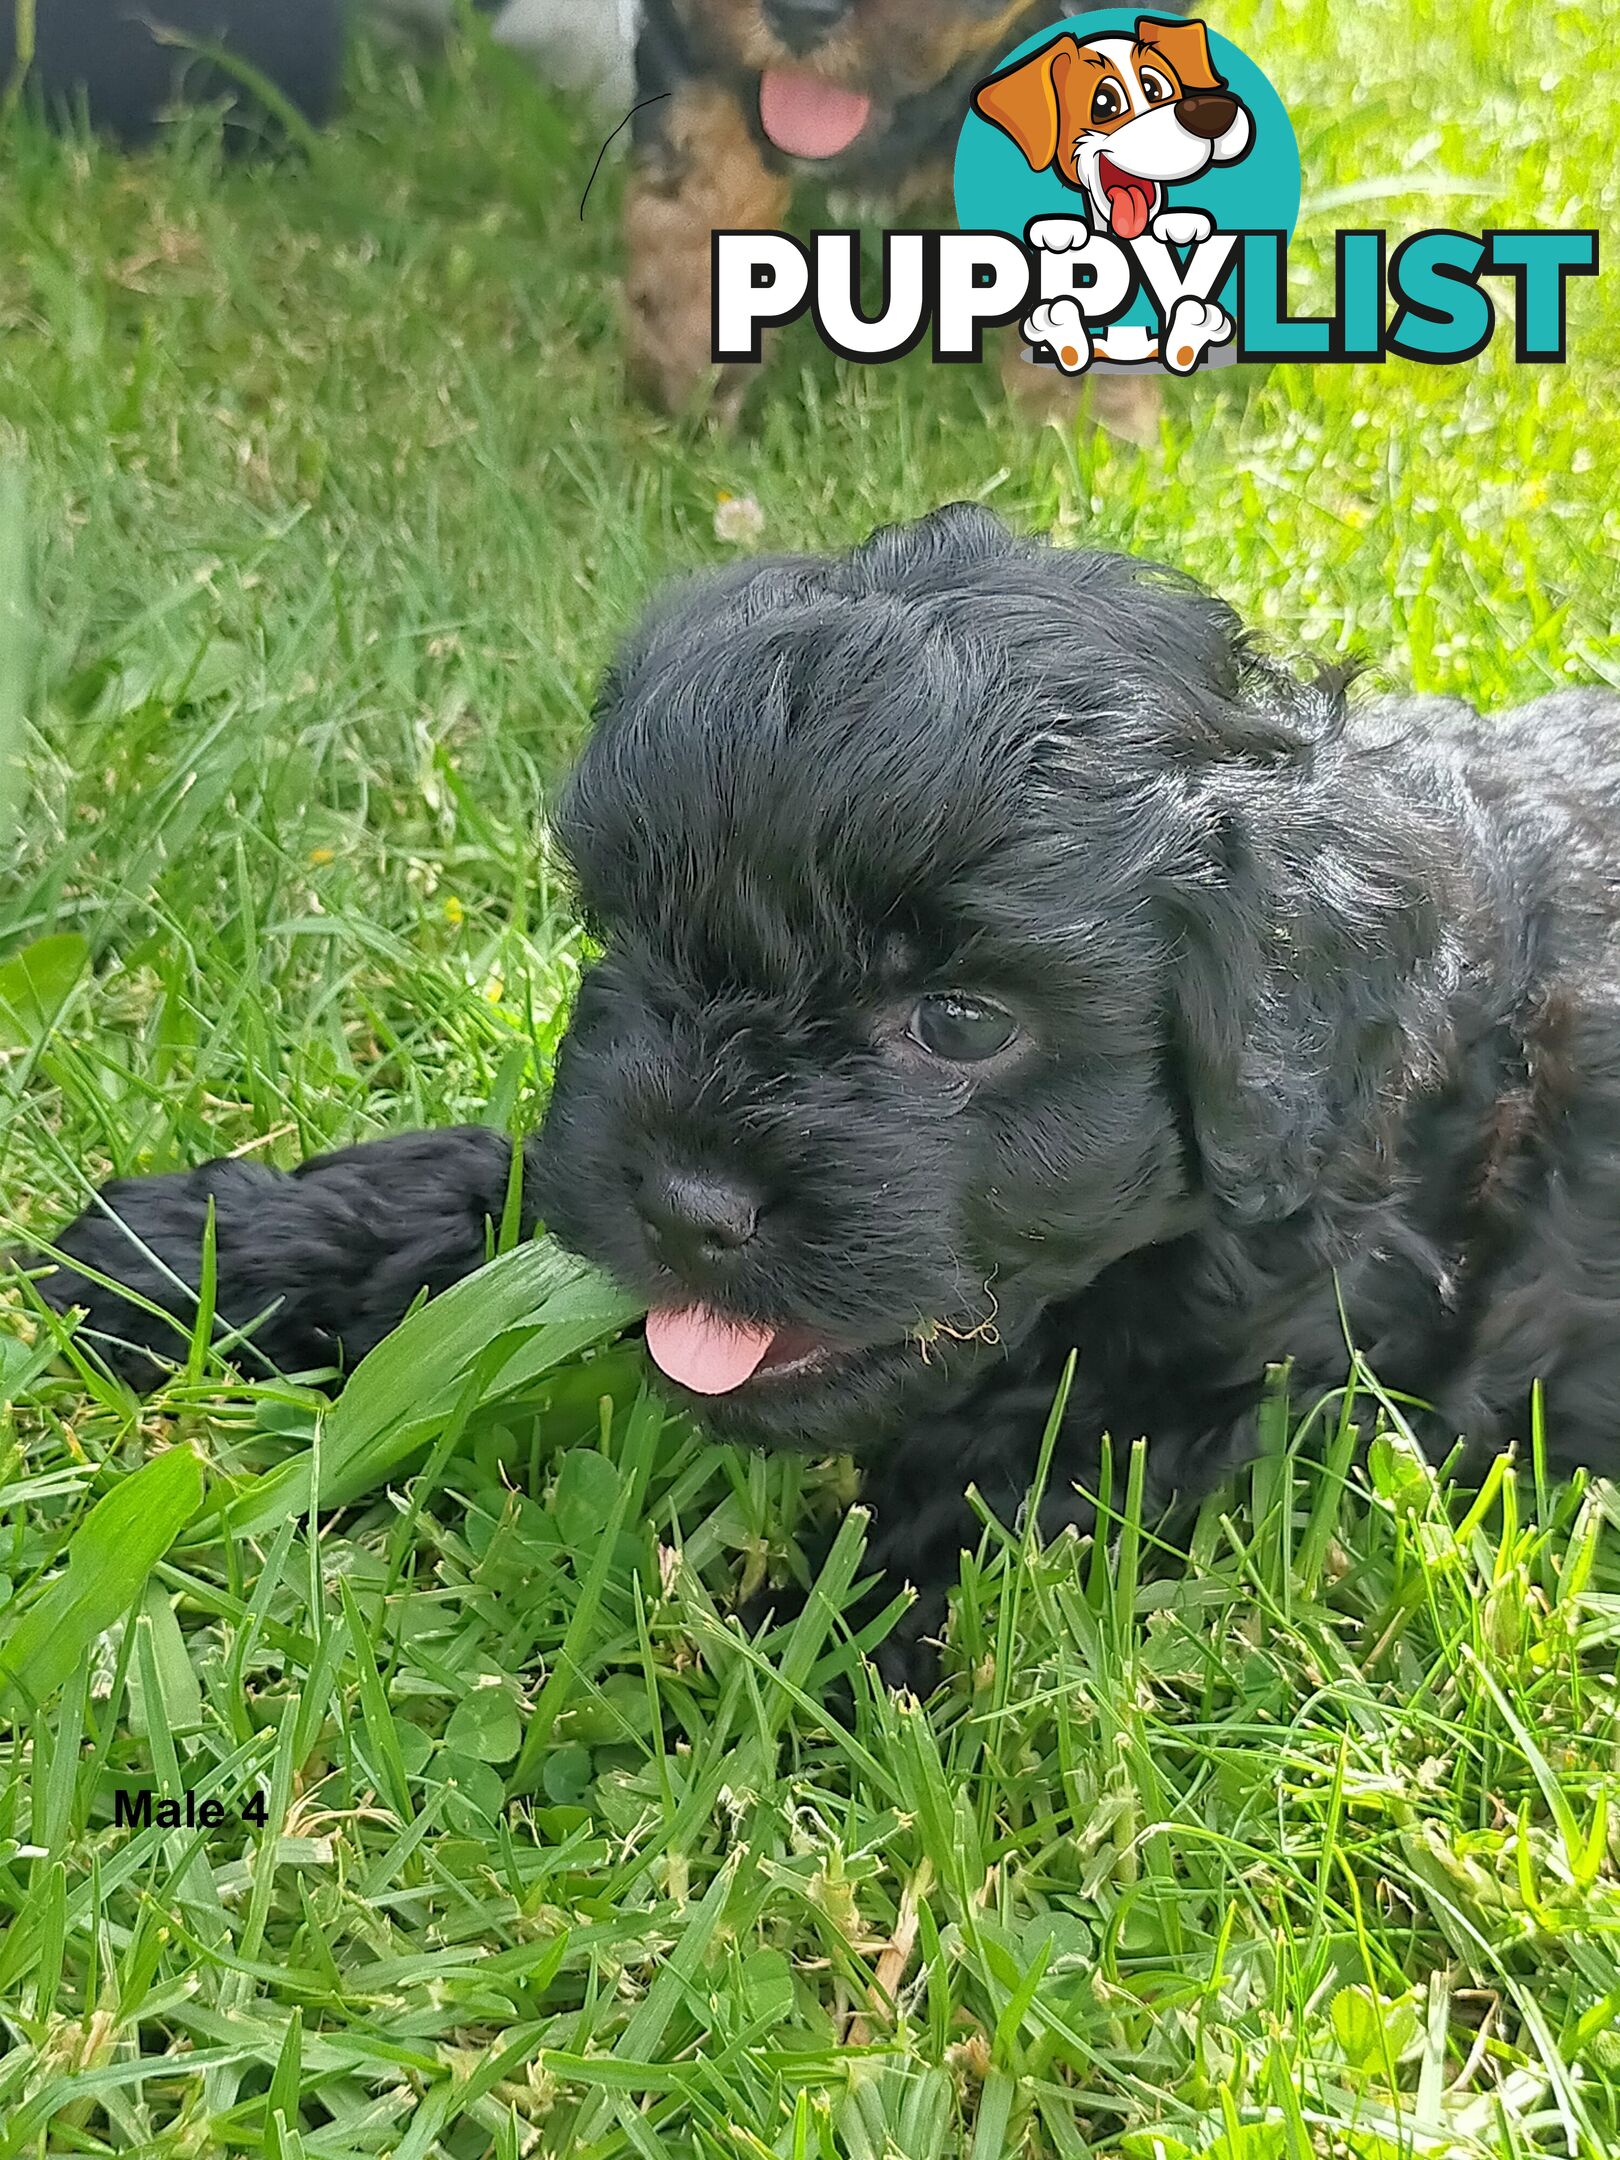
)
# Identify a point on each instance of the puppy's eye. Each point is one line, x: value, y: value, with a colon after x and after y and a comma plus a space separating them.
x: 1154, y: 87
x: 963, y: 1029
x: 1106, y: 104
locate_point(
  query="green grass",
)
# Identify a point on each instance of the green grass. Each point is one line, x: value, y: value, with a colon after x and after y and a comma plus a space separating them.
x: 331, y: 510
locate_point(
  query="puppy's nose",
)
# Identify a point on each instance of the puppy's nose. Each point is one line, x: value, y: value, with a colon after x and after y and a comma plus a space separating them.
x: 1206, y: 113
x: 696, y: 1215
x: 803, y: 24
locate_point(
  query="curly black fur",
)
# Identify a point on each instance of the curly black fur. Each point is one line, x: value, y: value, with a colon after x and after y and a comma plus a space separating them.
x: 1318, y: 1001
x: 313, y: 1266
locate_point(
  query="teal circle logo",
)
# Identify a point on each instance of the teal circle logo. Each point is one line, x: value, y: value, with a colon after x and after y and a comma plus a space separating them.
x: 1108, y: 140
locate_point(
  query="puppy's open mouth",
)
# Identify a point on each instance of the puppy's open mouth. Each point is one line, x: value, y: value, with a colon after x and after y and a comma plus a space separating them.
x: 1131, y: 200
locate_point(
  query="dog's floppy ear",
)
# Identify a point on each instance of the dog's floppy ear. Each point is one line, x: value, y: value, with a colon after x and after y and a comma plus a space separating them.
x: 1186, y: 46
x: 1250, y: 1075
x: 1026, y: 101
x: 1305, y: 958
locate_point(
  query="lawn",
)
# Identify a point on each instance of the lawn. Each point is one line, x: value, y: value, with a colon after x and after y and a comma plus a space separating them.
x: 320, y: 510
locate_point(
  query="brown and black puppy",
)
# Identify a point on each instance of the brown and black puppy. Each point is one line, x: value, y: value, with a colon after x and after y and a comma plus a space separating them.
x: 751, y: 96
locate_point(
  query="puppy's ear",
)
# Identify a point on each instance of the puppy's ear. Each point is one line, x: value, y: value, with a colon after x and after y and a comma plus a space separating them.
x: 1185, y: 45
x: 1254, y: 1095
x: 1302, y: 985
x: 1026, y: 101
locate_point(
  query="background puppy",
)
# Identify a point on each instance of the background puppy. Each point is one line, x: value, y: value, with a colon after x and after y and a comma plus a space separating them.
x: 1000, y: 958
x: 752, y: 95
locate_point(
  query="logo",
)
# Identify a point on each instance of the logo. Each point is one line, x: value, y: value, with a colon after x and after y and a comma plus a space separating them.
x: 1127, y: 186
x: 1127, y: 152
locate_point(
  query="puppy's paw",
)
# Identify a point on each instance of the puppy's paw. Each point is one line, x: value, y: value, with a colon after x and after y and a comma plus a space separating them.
x: 1194, y: 326
x: 1182, y: 228
x: 1060, y: 326
x: 145, y: 1236
x: 1058, y: 235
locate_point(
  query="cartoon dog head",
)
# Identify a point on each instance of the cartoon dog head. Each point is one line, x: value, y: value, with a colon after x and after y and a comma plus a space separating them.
x: 1119, y: 118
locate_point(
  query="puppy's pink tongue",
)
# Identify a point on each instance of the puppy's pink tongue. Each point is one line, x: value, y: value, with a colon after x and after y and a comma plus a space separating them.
x: 703, y: 1350
x: 807, y: 117
x: 1129, y: 202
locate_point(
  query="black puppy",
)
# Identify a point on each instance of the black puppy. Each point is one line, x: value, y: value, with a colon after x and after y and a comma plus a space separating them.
x: 1000, y: 957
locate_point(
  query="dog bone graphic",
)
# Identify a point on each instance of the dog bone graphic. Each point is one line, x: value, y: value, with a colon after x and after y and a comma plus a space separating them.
x: 1126, y: 344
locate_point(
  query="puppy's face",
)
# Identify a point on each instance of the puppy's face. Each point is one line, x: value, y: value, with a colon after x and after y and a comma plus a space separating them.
x: 831, y: 73
x: 879, y: 1057
x: 1120, y: 118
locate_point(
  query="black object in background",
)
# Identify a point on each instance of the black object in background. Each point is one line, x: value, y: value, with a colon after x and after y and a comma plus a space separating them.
x: 128, y: 63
